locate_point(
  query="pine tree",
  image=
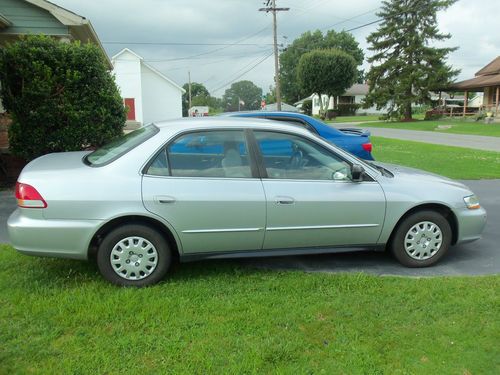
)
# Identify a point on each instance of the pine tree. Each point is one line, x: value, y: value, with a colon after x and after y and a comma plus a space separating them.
x: 405, y: 67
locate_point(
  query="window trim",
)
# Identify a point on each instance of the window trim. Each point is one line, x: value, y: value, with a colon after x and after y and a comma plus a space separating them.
x: 263, y: 170
x: 252, y: 163
x: 118, y: 156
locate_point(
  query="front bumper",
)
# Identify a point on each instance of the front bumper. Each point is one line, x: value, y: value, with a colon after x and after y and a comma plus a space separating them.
x: 471, y: 224
x: 32, y: 234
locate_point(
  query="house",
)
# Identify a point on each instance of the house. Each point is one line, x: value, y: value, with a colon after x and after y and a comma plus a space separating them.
x: 148, y: 94
x: 487, y: 81
x: 273, y: 107
x: 198, y: 111
x: 354, y: 95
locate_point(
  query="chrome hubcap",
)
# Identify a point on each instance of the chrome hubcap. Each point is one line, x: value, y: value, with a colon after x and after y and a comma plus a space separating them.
x: 423, y: 240
x: 134, y: 258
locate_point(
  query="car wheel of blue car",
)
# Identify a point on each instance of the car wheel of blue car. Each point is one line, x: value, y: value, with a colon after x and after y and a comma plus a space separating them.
x: 134, y: 255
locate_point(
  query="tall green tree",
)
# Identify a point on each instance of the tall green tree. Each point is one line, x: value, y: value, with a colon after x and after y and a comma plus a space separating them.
x: 329, y: 72
x: 247, y: 92
x: 61, y: 96
x: 199, y: 96
x: 307, y: 42
x: 405, y: 67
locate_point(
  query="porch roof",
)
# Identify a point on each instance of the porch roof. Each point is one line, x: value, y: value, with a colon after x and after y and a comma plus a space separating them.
x: 477, y: 83
x: 486, y: 77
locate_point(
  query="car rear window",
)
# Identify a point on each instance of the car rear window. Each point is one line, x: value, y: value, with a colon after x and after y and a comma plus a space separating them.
x: 113, y: 150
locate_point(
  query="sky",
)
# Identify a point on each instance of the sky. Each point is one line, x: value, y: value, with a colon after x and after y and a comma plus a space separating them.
x: 236, y: 39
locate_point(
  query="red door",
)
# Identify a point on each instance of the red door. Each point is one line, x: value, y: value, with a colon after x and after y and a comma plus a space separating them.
x: 130, y: 104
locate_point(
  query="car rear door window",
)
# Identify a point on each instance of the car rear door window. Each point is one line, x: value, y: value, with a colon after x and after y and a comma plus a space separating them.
x: 288, y: 156
x: 115, y: 149
x: 205, y: 154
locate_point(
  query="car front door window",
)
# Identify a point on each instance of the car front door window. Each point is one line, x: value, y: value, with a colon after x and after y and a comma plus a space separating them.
x: 292, y: 157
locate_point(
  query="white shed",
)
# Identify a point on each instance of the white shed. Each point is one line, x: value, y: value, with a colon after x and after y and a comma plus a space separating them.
x: 148, y: 94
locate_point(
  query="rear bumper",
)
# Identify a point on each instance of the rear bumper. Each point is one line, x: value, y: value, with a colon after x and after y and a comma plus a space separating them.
x: 471, y: 224
x: 54, y: 238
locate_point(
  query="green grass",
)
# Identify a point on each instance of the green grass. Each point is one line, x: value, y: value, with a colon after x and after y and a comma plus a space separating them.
x: 355, y: 118
x: 60, y: 317
x: 457, y: 127
x: 453, y: 162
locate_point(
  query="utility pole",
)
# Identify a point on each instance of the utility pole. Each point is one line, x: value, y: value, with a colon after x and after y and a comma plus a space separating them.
x: 189, y: 84
x: 271, y: 7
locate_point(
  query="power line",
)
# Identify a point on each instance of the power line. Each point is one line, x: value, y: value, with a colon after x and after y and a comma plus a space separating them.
x: 187, y: 44
x: 242, y: 74
x: 351, y: 18
x: 229, y: 76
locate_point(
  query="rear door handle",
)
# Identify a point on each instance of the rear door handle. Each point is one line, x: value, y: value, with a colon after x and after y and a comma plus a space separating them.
x: 285, y: 200
x: 164, y: 199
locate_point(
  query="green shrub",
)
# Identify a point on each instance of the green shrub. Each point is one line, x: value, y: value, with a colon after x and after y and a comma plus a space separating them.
x: 347, y: 109
x: 61, y: 96
x: 331, y: 114
x: 307, y: 106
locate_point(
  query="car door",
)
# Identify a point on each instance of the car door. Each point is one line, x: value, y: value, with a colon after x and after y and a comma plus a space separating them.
x: 204, y: 185
x: 310, y: 198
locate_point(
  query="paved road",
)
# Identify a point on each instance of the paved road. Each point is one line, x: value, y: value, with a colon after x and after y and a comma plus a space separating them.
x: 477, y: 258
x: 461, y: 140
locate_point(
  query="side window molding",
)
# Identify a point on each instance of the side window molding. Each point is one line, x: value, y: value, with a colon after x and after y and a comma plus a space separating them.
x: 213, y: 153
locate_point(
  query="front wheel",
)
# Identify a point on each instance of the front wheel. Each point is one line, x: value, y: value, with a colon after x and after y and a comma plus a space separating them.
x: 134, y: 255
x: 421, y: 239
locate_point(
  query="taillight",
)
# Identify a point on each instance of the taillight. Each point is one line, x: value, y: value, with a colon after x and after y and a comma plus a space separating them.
x: 28, y: 197
x: 367, y: 147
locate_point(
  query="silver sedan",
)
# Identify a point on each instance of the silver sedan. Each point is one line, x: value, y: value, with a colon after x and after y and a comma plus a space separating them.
x: 229, y: 187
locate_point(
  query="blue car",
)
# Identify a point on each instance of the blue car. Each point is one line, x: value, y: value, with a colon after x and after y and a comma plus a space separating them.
x: 355, y: 141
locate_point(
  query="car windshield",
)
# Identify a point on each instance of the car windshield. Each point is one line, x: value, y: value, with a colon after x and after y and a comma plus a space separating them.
x: 120, y: 146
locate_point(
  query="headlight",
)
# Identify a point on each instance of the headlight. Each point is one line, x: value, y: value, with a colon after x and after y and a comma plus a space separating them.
x: 472, y: 202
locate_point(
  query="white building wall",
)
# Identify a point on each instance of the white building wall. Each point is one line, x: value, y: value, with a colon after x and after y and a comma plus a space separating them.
x: 161, y: 100
x: 127, y: 71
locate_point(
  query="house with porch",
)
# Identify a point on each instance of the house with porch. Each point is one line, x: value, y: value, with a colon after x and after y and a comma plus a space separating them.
x: 487, y: 81
x: 353, y: 95
x: 148, y: 94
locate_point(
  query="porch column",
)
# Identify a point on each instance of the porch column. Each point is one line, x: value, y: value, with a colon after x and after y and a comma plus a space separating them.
x: 466, y: 100
x: 498, y: 96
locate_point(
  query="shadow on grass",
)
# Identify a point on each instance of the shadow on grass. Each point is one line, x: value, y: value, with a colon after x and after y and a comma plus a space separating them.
x: 51, y: 273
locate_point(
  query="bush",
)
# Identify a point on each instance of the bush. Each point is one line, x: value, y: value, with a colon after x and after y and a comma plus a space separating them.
x: 433, y: 114
x: 331, y: 114
x: 61, y: 97
x: 348, y: 109
x: 307, y: 107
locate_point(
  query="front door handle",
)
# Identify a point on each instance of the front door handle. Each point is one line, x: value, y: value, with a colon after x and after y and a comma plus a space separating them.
x: 285, y: 200
x: 164, y: 199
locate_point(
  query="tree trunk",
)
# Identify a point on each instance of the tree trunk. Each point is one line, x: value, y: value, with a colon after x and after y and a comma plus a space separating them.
x: 407, y: 112
x: 321, y: 111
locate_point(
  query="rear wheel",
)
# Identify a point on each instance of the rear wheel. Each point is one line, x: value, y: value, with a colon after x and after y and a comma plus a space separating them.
x: 134, y: 255
x: 421, y: 239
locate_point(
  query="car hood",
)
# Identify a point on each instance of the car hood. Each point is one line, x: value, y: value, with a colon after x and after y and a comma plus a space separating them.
x: 408, y: 173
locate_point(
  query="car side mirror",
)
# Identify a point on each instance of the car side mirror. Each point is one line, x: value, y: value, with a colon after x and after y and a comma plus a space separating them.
x: 357, y: 173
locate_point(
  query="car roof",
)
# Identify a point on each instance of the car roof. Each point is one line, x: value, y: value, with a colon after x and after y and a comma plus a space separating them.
x: 223, y: 122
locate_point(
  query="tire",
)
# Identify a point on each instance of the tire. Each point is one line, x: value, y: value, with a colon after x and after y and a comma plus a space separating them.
x: 412, y: 249
x: 134, y: 255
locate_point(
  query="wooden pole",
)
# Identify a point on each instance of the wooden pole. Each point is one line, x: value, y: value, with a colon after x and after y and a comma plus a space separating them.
x: 466, y: 99
x: 498, y: 97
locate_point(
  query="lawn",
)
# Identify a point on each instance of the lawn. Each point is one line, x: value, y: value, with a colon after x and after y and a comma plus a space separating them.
x: 355, y: 118
x: 453, y: 162
x: 60, y: 317
x: 456, y: 127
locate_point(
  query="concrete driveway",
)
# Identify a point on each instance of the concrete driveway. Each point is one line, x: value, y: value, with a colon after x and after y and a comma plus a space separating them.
x: 477, y: 258
x: 478, y: 142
